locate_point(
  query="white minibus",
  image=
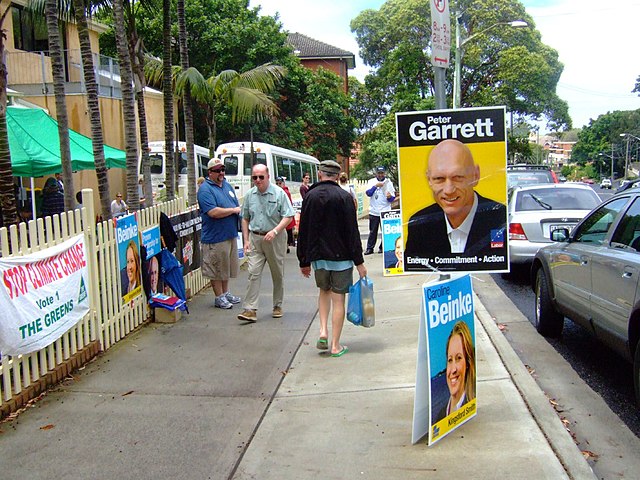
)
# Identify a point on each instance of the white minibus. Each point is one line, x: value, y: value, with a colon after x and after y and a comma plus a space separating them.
x: 158, y: 165
x: 281, y: 162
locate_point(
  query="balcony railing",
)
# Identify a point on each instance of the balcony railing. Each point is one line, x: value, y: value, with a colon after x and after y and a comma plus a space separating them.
x: 30, y: 73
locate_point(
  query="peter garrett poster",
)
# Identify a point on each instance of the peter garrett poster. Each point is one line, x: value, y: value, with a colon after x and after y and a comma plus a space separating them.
x: 452, y: 175
x: 446, y: 367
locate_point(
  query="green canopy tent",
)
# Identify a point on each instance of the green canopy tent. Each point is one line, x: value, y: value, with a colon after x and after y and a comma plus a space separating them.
x: 35, y: 147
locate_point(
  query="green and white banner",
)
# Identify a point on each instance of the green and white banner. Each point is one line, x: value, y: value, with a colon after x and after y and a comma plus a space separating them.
x: 43, y: 295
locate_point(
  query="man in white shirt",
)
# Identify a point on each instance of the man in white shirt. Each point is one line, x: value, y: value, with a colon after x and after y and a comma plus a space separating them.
x: 118, y: 207
x: 382, y: 194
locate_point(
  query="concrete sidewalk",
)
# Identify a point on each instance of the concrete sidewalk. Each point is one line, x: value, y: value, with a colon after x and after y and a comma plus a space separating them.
x: 214, y: 397
x: 351, y: 417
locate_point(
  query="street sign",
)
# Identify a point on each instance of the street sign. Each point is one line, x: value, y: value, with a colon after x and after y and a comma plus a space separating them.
x: 440, y: 33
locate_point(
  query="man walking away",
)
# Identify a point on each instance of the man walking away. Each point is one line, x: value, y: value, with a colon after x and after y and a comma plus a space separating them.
x: 219, y: 209
x: 266, y: 212
x: 329, y: 241
x: 382, y: 194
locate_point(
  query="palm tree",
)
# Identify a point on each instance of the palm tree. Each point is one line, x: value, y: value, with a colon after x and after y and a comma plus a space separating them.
x: 57, y: 69
x: 7, y: 193
x: 81, y: 8
x: 136, y: 52
x: 170, y: 180
x: 128, y: 105
x: 186, y: 105
x: 246, y: 94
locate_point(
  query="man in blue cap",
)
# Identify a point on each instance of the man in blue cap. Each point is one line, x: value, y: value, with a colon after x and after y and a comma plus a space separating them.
x: 382, y: 194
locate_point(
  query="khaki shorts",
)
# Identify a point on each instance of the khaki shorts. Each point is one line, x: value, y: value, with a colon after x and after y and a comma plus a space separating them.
x: 220, y: 260
x: 338, y: 282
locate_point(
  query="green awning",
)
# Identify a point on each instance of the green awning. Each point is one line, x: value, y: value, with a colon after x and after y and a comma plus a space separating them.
x: 35, y: 145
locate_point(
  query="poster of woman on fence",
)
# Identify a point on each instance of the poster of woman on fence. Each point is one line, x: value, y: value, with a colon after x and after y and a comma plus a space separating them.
x: 128, y: 242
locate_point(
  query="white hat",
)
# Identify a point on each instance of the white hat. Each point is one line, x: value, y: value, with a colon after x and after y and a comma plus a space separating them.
x: 214, y: 162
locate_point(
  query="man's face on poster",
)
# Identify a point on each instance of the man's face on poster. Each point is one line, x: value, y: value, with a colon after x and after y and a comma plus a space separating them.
x: 452, y: 175
x: 154, y: 274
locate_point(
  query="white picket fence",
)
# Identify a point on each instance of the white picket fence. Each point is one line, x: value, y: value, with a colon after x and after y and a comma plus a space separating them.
x: 108, y: 320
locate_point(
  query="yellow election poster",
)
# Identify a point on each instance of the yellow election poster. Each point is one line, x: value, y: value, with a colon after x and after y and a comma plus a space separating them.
x: 452, y: 175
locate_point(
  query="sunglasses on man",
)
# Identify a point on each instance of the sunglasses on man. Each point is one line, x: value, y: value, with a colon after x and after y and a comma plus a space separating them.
x: 217, y: 170
x: 256, y: 177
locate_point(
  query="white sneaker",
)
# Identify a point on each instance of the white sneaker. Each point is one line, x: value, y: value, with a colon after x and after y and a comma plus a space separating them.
x: 232, y: 298
x: 222, y: 302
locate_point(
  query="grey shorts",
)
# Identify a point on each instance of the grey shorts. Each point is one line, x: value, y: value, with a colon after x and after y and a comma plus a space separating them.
x: 338, y: 282
x: 220, y: 260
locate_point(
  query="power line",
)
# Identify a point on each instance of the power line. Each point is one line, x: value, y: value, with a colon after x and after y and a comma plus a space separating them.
x: 595, y: 93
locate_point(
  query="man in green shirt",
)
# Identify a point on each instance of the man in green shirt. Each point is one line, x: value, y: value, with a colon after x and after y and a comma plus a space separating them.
x: 266, y: 212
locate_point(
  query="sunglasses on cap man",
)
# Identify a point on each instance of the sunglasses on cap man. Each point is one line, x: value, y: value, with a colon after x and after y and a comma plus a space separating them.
x: 217, y: 170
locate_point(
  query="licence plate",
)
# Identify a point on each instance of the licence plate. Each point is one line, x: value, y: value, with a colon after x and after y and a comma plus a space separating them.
x: 568, y: 226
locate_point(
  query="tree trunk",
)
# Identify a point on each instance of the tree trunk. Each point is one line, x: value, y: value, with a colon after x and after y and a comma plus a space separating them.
x: 187, y: 106
x: 170, y: 159
x: 128, y: 106
x: 97, y: 139
x: 136, y: 51
x: 57, y: 71
x: 9, y: 213
x: 211, y: 129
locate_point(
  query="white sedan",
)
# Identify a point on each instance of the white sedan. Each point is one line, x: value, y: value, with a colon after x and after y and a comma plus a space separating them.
x: 536, y: 211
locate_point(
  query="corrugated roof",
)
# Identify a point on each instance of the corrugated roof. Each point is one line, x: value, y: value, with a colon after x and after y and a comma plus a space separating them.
x: 307, y: 48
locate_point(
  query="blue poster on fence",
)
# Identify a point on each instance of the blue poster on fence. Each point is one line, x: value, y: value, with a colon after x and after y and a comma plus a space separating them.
x: 128, y: 242
x: 392, y: 243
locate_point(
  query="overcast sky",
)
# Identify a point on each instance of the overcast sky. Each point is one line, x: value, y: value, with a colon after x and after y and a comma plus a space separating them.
x: 597, y: 42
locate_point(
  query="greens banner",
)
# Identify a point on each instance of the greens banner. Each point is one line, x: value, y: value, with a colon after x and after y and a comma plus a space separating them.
x: 43, y: 295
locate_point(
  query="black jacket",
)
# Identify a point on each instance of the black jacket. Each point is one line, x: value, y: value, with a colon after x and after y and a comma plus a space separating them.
x: 328, y: 226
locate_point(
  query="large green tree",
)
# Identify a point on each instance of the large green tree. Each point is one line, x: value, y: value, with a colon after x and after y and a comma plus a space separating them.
x: 314, y: 114
x: 501, y: 65
x: 602, y: 136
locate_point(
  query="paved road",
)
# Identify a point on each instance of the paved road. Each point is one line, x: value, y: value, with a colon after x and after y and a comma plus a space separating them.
x: 611, y: 447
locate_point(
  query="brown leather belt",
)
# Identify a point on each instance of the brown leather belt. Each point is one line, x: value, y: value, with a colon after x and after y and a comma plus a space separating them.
x: 262, y: 234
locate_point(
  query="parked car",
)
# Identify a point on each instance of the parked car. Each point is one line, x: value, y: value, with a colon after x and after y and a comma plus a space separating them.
x: 605, y: 183
x: 524, y: 174
x: 592, y: 277
x: 536, y: 211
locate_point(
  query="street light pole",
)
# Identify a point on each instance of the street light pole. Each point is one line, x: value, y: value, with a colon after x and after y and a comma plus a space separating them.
x: 626, y: 162
x: 457, y: 75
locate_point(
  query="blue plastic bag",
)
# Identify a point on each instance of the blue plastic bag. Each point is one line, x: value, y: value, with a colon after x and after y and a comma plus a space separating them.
x: 361, y: 307
x: 354, y: 306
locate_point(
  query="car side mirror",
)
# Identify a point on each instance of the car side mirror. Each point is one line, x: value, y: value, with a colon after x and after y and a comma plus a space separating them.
x: 560, y: 235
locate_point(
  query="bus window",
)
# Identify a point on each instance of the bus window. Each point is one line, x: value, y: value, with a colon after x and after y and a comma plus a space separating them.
x: 248, y: 164
x: 283, y: 167
x: 182, y: 165
x: 231, y: 164
x: 296, y: 171
x: 155, y: 161
x: 203, y: 162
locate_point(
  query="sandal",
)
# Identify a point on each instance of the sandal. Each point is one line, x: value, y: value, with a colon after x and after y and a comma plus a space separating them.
x: 344, y: 350
x: 322, y: 344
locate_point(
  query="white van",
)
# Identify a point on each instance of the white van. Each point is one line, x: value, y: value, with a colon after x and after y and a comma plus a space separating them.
x: 158, y: 165
x: 281, y: 162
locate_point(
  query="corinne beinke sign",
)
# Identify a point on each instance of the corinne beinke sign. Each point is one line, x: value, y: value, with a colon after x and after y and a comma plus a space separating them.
x: 42, y: 296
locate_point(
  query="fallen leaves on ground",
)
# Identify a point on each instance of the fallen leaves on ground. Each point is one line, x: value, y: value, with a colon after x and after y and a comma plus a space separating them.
x: 587, y: 454
x: 48, y: 427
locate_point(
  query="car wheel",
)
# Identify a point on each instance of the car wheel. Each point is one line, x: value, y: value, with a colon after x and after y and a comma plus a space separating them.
x: 636, y: 373
x: 549, y: 322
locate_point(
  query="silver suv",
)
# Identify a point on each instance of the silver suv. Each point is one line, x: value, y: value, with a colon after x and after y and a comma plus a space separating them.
x: 592, y: 277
